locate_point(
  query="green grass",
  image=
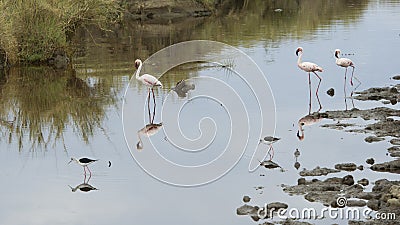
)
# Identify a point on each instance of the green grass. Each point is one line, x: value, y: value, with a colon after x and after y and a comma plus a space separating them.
x: 31, y: 30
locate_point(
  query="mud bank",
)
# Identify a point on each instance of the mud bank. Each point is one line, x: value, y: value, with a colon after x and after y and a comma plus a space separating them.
x: 382, y: 123
x: 156, y: 11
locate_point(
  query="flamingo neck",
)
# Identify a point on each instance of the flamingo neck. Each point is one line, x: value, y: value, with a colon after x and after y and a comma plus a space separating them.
x: 139, y: 144
x: 299, y: 58
x: 300, y: 132
x: 138, y: 71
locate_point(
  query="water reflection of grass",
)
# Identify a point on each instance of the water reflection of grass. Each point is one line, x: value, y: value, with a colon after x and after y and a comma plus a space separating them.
x: 242, y: 25
x: 39, y: 104
x: 257, y: 20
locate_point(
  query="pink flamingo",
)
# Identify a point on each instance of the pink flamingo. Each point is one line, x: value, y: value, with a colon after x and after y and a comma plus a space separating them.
x: 309, y: 67
x: 344, y: 62
x: 148, y: 80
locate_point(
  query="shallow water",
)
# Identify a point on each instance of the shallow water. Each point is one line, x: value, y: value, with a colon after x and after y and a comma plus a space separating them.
x: 48, y: 116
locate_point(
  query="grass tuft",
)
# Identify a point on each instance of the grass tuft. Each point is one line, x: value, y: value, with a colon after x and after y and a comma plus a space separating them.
x: 32, y: 30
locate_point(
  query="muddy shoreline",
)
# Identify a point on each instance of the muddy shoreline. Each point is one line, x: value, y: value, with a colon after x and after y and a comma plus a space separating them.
x: 385, y: 194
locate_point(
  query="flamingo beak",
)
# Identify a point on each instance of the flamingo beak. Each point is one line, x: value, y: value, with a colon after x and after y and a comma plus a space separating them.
x: 300, y: 137
x: 139, y: 146
x: 136, y: 65
x: 337, y: 54
x: 297, y: 52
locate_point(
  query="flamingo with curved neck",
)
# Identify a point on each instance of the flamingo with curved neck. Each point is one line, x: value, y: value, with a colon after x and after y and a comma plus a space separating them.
x: 344, y: 62
x: 309, y: 67
x: 147, y: 79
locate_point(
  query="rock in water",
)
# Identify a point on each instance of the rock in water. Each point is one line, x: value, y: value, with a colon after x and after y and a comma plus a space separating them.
x: 246, y: 199
x: 331, y: 92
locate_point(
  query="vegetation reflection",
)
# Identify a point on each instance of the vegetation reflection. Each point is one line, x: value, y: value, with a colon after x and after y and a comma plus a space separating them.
x: 40, y: 104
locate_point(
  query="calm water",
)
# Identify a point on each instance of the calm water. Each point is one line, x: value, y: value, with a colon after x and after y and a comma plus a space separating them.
x: 47, y: 116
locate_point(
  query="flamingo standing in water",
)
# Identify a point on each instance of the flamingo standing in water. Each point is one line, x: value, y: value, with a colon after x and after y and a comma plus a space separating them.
x: 344, y: 62
x: 309, y: 67
x: 147, y: 79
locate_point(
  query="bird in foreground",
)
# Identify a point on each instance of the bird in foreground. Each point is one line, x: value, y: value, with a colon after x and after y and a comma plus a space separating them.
x: 309, y: 67
x: 84, y: 162
x: 269, y: 140
x: 147, y: 79
x: 344, y: 62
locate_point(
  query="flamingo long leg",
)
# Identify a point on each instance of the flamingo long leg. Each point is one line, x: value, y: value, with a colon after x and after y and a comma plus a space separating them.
x: 309, y: 85
x: 316, y: 93
x: 154, y: 112
x: 352, y: 75
x: 154, y: 105
x: 148, y: 104
x: 344, y: 88
x: 154, y: 98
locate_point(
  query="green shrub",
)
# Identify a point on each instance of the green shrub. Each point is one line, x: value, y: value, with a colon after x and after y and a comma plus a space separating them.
x: 31, y: 30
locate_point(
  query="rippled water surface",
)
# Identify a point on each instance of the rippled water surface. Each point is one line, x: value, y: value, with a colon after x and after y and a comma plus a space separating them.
x: 47, y: 116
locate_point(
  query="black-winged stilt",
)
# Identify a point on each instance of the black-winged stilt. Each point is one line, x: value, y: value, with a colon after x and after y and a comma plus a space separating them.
x: 269, y: 140
x: 84, y: 162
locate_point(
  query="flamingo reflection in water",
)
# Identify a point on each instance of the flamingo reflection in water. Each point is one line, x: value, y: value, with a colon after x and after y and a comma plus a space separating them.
x: 307, y: 120
x: 148, y: 130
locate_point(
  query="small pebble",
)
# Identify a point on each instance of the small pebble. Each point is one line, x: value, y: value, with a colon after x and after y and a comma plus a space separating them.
x: 371, y: 139
x: 370, y: 161
x: 395, y: 141
x: 331, y: 92
x: 363, y: 182
x: 301, y: 181
x: 246, y: 199
x: 348, y: 180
